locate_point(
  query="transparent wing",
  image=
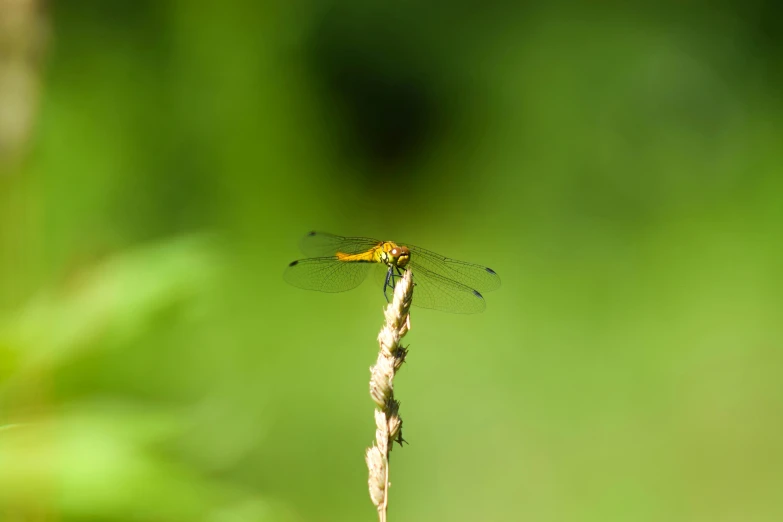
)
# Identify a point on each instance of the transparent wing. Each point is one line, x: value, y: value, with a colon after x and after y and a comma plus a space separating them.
x: 326, y: 274
x: 434, y: 291
x: 318, y: 244
x: 474, y: 276
x: 441, y: 283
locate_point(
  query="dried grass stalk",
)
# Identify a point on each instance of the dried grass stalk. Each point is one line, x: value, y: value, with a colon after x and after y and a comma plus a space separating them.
x: 388, y: 425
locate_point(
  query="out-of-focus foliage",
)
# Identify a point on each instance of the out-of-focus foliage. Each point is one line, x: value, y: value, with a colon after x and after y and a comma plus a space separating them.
x: 619, y: 167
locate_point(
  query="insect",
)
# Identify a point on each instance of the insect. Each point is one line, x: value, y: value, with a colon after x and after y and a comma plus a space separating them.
x: 342, y: 263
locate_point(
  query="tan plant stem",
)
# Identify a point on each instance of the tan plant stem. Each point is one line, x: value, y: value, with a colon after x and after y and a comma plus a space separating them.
x: 388, y: 425
x: 23, y: 35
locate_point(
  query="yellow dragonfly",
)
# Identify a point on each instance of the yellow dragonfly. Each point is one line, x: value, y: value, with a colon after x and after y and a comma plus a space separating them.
x: 342, y: 263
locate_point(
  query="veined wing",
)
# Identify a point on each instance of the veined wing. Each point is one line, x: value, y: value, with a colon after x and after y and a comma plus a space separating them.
x: 470, y: 275
x: 318, y: 244
x: 326, y: 274
x: 437, y: 292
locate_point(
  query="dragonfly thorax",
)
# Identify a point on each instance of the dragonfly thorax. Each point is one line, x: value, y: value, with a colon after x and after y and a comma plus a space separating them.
x: 393, y: 255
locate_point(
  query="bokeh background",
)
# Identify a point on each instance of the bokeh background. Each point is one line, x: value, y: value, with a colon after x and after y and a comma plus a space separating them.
x: 619, y: 166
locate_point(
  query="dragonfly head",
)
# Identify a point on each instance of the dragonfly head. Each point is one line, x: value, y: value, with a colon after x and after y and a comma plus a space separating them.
x: 397, y: 256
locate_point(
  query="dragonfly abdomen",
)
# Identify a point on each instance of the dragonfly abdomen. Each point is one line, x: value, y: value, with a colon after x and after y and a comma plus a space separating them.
x: 369, y: 256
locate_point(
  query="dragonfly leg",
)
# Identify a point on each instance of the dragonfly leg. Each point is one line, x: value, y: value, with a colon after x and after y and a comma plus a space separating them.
x: 395, y: 277
x: 386, y: 284
x: 391, y: 280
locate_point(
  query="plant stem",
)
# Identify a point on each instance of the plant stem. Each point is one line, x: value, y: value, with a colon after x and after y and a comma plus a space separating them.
x: 388, y: 425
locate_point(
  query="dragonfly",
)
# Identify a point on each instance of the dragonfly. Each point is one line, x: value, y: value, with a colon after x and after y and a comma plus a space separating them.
x: 340, y: 263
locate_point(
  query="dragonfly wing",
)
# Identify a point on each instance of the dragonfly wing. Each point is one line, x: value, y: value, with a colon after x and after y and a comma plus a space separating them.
x: 326, y: 274
x: 437, y: 292
x: 471, y: 275
x: 318, y: 244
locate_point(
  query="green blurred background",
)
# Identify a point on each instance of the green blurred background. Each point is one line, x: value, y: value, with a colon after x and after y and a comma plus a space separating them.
x: 619, y: 167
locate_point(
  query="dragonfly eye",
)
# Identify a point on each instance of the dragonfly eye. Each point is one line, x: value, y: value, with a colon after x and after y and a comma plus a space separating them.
x: 403, y: 256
